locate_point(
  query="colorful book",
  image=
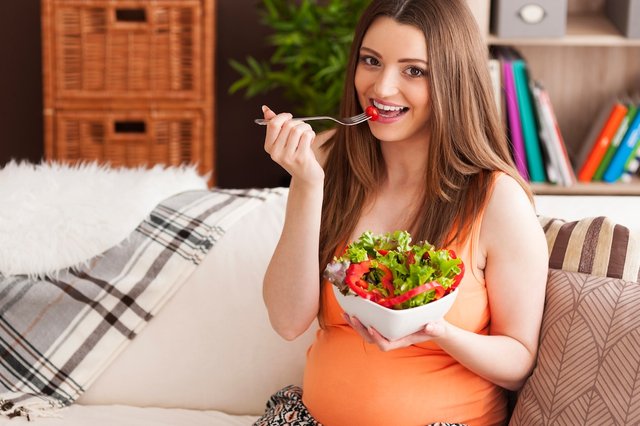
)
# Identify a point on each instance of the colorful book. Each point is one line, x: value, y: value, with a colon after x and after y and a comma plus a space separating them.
x: 632, y: 166
x: 513, y: 117
x: 602, y: 142
x: 549, y: 155
x: 626, y: 149
x: 496, y: 82
x: 596, y: 127
x: 551, y: 136
x: 529, y: 129
x: 615, y: 142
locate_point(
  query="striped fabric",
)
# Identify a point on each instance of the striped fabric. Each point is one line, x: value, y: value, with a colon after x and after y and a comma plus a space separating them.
x: 594, y: 245
x: 58, y: 335
x: 588, y: 368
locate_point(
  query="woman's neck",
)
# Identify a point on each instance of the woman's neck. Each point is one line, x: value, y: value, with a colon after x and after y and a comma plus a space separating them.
x: 405, y: 164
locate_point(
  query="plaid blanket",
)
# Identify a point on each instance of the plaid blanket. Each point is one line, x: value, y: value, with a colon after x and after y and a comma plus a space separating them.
x: 58, y: 334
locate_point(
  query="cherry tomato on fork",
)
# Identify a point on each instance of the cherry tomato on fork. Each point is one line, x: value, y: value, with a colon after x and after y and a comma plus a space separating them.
x: 372, y: 112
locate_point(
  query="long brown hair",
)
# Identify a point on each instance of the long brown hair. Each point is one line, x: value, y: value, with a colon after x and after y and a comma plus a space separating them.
x: 467, y: 140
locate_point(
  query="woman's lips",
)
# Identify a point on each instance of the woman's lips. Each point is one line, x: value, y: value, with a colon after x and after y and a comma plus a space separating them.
x: 387, y: 112
x: 386, y: 117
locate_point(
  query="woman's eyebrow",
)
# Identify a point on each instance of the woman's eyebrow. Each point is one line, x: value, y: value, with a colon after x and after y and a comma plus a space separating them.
x: 373, y: 52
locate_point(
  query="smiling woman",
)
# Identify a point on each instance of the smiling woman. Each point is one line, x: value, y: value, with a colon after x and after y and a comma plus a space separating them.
x: 435, y: 163
x: 394, y: 80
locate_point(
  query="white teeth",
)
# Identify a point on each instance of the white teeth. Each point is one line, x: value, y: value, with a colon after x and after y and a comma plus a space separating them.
x: 387, y: 107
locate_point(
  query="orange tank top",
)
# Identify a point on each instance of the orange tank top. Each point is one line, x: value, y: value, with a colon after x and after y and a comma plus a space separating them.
x: 349, y: 382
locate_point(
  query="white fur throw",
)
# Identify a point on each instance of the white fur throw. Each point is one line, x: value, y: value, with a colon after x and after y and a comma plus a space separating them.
x: 55, y: 216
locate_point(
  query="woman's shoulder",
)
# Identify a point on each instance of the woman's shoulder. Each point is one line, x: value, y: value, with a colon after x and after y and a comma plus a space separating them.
x: 506, y: 188
x: 509, y: 210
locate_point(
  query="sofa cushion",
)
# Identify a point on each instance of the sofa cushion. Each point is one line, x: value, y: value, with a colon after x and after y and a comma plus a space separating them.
x: 125, y: 415
x: 212, y: 347
x: 595, y: 245
x: 588, y: 367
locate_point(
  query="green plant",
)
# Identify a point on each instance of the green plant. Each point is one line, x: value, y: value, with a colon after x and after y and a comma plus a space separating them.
x: 311, y: 41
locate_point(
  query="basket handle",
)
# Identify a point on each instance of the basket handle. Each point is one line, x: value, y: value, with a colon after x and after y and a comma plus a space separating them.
x: 129, y: 127
x: 131, y: 15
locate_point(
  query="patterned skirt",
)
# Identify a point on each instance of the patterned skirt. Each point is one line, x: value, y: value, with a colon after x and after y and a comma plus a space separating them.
x: 285, y: 407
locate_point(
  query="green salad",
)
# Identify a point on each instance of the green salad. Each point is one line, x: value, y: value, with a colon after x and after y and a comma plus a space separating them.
x: 387, y: 269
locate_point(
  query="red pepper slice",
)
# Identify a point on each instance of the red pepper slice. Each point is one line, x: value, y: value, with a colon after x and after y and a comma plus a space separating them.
x: 362, y: 292
x: 387, y: 279
x: 458, y: 278
x: 355, y: 272
x: 433, y: 285
x: 354, y: 279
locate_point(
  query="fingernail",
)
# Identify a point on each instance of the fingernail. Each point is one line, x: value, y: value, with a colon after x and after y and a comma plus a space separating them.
x: 370, y: 330
x: 265, y: 108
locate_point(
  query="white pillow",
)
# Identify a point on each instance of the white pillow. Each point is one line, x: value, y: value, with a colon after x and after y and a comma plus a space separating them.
x: 54, y: 216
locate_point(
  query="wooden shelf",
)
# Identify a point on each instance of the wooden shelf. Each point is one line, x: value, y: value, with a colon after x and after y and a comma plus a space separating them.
x: 591, y: 29
x: 581, y: 71
x: 594, y: 188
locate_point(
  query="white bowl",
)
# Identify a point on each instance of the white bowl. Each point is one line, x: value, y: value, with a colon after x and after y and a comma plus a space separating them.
x: 391, y: 323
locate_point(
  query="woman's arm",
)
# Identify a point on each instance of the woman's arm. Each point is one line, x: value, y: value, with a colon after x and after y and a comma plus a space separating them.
x: 516, y: 273
x: 516, y: 270
x: 291, y: 283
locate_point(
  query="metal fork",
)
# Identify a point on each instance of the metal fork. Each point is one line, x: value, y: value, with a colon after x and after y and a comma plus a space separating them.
x: 347, y: 121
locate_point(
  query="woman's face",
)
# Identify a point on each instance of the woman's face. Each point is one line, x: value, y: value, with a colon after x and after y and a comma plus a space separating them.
x: 392, y: 76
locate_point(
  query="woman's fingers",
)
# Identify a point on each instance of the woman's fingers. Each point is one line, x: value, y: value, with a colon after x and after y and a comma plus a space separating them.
x: 277, y: 130
x: 300, y: 134
x: 288, y: 142
x: 371, y: 335
x: 267, y: 112
x: 359, y: 327
x: 285, y: 149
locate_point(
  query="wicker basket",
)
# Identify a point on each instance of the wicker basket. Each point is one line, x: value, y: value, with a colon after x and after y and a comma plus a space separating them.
x: 129, y: 82
x: 132, y: 138
x: 127, y: 49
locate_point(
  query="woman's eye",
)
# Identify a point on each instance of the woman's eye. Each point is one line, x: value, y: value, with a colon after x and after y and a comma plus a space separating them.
x: 369, y: 60
x: 415, y: 72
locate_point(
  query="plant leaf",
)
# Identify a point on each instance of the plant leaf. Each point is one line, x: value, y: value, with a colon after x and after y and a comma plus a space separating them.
x: 311, y: 41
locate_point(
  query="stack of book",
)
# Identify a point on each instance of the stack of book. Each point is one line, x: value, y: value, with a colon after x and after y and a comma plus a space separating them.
x: 611, y: 150
x: 536, y: 142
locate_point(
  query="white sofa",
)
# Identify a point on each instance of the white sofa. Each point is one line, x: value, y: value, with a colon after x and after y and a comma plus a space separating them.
x: 210, y: 356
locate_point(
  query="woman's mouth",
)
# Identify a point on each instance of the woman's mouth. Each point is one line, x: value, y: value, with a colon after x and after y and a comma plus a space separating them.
x: 387, y: 111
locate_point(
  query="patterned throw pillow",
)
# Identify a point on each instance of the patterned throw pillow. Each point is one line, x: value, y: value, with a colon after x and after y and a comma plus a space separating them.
x: 588, y: 367
x: 595, y: 245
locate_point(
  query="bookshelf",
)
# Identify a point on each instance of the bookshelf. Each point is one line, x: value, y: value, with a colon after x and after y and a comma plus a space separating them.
x: 581, y: 70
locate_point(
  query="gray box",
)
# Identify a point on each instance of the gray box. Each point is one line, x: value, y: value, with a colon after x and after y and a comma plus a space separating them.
x: 528, y: 18
x: 625, y: 14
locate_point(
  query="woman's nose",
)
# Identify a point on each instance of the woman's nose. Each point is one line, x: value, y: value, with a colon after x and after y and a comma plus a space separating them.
x: 386, y: 84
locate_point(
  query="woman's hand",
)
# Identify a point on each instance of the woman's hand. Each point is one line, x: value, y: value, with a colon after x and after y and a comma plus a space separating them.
x: 288, y: 142
x: 433, y: 330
